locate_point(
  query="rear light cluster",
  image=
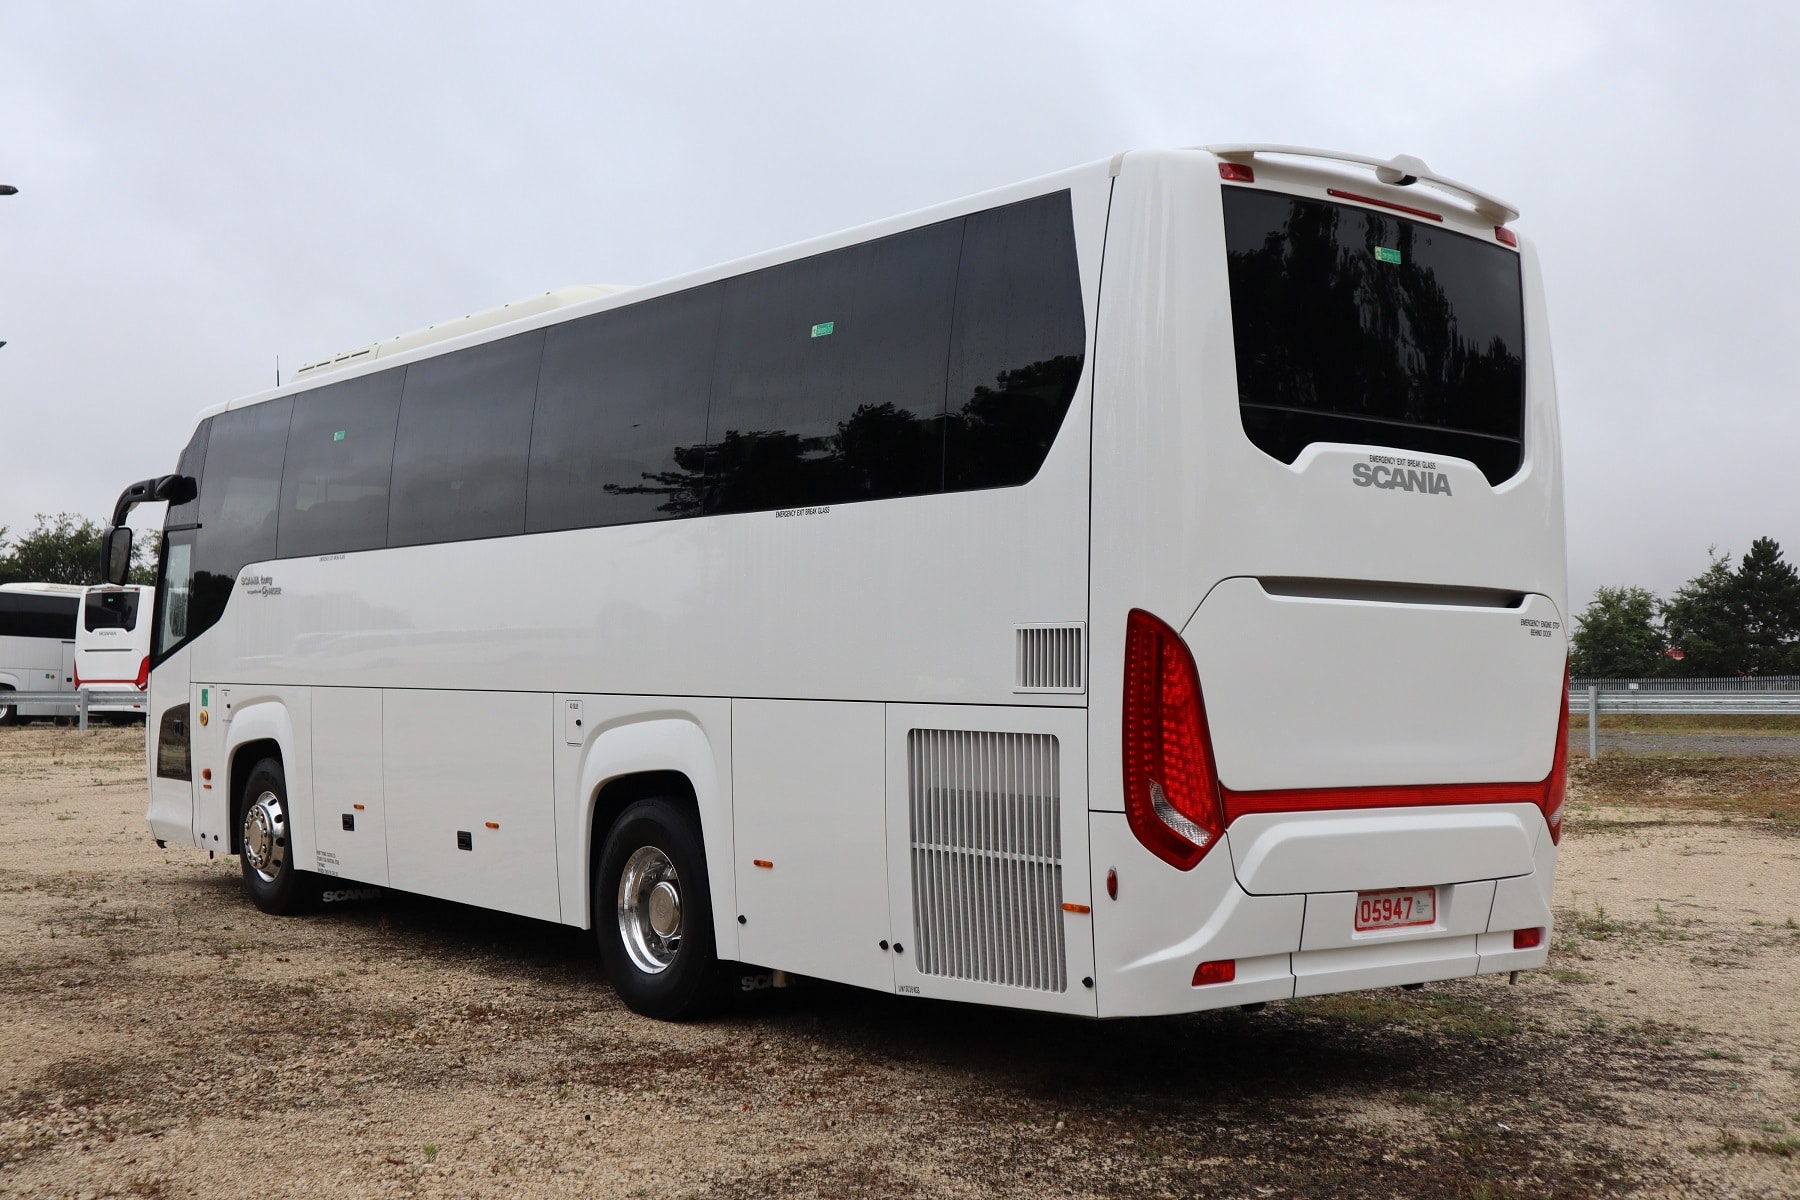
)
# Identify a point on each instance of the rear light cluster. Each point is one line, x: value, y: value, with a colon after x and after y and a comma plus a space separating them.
x: 1171, y: 791
x: 143, y: 676
x: 1527, y: 939
x: 1174, y: 801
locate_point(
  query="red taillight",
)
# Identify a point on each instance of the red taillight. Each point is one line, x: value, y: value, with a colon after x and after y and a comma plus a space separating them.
x: 1527, y: 939
x: 1411, y: 212
x: 1223, y: 970
x: 1506, y: 236
x: 1112, y: 883
x: 1237, y: 172
x: 143, y: 679
x: 77, y: 679
x: 1556, y: 784
x: 1171, y: 793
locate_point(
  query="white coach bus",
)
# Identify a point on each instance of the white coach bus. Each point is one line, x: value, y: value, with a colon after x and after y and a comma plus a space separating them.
x: 112, y: 644
x: 37, y: 645
x: 923, y: 607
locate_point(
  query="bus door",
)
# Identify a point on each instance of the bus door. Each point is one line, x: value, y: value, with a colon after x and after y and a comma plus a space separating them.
x: 172, y: 713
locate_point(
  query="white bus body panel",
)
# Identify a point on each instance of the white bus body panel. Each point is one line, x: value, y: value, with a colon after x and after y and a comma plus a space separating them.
x: 1276, y: 853
x: 808, y: 788
x: 467, y: 786
x: 38, y: 665
x: 1363, y: 693
x: 349, y: 816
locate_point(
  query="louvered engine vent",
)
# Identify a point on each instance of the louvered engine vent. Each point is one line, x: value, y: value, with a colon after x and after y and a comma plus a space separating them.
x: 987, y: 856
x: 1048, y: 658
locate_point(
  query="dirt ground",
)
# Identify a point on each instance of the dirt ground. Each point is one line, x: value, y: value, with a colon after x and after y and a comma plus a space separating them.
x: 160, y: 1037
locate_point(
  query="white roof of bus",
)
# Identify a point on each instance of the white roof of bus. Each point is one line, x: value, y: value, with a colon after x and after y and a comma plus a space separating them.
x: 55, y: 589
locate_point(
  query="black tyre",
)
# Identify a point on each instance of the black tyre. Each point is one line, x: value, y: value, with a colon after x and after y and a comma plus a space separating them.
x: 653, y: 912
x: 265, y: 844
x: 9, y: 712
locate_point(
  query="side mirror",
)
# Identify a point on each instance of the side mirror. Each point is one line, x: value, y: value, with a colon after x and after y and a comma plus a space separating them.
x: 115, y: 555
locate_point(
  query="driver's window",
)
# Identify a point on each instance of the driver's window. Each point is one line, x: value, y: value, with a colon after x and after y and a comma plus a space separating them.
x: 176, y: 582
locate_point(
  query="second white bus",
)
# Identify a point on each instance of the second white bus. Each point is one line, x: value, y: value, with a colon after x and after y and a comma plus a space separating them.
x: 1139, y: 590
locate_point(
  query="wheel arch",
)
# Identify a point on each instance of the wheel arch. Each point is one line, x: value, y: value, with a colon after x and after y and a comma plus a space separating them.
x: 669, y: 756
x: 258, y: 731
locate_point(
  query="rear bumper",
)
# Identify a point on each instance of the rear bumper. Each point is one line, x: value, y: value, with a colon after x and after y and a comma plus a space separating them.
x: 1164, y: 923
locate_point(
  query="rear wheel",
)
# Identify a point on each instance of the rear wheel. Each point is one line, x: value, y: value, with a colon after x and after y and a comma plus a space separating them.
x: 653, y: 911
x: 266, y: 844
x: 9, y: 712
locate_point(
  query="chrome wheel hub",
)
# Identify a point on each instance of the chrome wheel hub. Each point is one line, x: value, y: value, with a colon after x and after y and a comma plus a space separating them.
x: 650, y: 910
x: 265, y: 836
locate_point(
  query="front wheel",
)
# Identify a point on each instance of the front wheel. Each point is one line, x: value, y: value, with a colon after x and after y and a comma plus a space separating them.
x: 653, y: 911
x: 266, y: 844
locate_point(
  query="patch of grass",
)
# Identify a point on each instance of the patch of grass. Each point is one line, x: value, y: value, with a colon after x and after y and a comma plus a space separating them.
x: 1595, y: 926
x: 1570, y: 975
x: 430, y: 1150
x: 1731, y: 1143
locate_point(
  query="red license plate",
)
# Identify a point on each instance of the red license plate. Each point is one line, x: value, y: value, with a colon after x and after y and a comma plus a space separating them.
x: 1396, y: 909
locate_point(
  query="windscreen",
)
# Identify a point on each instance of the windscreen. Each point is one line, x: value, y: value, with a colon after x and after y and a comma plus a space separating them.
x: 1359, y: 326
x: 110, y: 610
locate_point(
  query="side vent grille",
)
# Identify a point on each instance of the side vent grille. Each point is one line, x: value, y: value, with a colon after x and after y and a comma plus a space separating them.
x: 1049, y: 658
x: 986, y: 835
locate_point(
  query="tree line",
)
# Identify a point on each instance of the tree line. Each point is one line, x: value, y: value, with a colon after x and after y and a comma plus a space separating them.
x: 1741, y: 619
x: 65, y: 548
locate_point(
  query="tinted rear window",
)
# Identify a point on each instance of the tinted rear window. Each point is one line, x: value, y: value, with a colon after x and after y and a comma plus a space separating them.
x: 110, y: 610
x: 1358, y: 326
x: 25, y: 614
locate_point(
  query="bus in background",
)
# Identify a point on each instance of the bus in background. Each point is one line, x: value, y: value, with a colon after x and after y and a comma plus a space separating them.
x: 37, y: 645
x: 912, y: 609
x: 112, y: 645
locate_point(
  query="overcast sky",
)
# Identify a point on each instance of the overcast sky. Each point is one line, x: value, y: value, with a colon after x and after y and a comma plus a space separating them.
x: 204, y: 188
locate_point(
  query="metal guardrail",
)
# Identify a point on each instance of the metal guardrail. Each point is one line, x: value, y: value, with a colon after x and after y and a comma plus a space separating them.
x: 77, y: 702
x: 1593, y: 700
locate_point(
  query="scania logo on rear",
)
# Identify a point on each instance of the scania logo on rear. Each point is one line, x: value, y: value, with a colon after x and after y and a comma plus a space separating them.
x: 1402, y: 474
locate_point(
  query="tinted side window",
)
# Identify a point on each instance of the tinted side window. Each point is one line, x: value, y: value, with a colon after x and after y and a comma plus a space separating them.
x: 35, y: 615
x: 829, y: 385
x: 240, y: 491
x: 193, y: 460
x: 1018, y: 344
x: 621, y: 412
x: 461, y: 444
x: 334, y: 491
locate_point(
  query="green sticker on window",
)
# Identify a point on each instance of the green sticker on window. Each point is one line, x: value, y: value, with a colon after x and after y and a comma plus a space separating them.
x: 203, y: 694
x: 338, y: 436
x: 1386, y: 255
x: 824, y: 328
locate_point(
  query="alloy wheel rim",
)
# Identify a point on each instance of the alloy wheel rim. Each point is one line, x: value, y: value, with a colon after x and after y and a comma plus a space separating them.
x: 649, y: 911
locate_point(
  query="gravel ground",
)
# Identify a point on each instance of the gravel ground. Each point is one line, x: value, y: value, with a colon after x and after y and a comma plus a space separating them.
x: 160, y: 1037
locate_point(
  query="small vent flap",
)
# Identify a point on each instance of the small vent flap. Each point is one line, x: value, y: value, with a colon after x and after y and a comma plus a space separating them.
x: 1049, y: 658
x: 986, y: 834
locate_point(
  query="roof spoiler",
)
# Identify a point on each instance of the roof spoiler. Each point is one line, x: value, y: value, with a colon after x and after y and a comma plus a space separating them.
x: 1402, y: 170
